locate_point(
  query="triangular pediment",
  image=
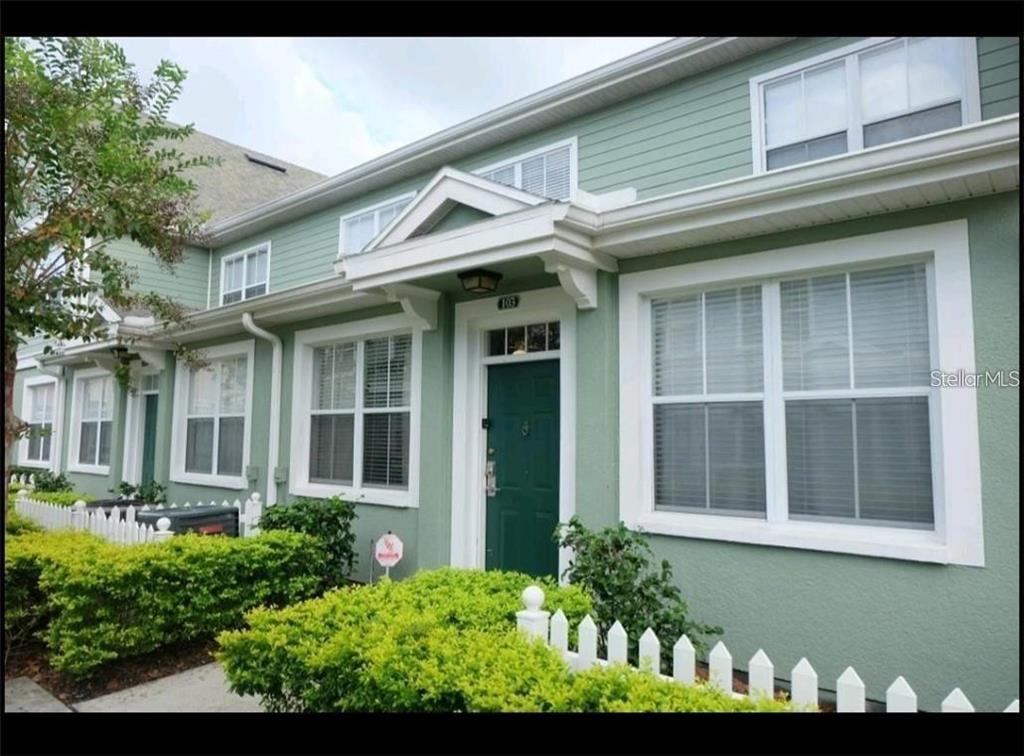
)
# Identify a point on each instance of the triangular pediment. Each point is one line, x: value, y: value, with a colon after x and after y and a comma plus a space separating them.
x: 452, y: 199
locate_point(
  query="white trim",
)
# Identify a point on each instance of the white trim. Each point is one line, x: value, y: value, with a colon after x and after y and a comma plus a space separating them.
x: 73, y: 464
x: 134, y: 427
x: 302, y: 372
x: 472, y: 321
x: 970, y: 95
x: 572, y: 143
x: 243, y: 253
x: 377, y: 229
x: 449, y: 187
x: 958, y: 535
x: 55, y: 422
x: 179, y: 415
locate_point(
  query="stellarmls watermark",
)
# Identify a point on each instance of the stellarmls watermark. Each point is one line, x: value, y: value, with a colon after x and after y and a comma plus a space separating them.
x: 963, y: 379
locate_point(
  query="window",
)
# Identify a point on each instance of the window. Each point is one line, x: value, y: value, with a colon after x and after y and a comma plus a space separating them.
x: 360, y: 229
x: 799, y: 408
x: 212, y: 407
x: 245, y: 274
x: 94, y: 422
x: 862, y: 96
x: 384, y: 367
x: 354, y: 429
x: 547, y: 173
x: 708, y: 402
x: 527, y: 339
x: 38, y: 410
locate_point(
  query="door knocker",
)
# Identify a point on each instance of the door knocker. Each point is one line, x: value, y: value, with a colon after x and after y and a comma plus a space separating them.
x: 525, y: 430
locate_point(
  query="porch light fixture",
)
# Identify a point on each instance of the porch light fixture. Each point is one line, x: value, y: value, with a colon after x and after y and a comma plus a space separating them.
x: 480, y: 281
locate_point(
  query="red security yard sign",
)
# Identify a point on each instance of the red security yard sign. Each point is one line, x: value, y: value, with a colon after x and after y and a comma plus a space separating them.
x: 388, y: 552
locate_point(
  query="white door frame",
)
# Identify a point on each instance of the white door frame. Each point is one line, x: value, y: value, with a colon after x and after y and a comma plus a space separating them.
x: 472, y: 321
x: 134, y: 420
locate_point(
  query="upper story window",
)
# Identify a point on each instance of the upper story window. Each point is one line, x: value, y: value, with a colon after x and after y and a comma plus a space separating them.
x: 212, y: 411
x: 549, y: 172
x: 245, y: 274
x: 864, y: 95
x: 38, y: 410
x: 359, y: 229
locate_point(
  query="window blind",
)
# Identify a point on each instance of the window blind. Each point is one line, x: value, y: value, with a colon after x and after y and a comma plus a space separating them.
x: 215, y: 422
x: 96, y: 422
x: 863, y: 457
x: 709, y: 447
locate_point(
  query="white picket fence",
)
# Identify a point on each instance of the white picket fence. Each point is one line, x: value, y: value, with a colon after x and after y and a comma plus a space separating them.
x: 850, y: 689
x: 25, y: 480
x: 112, y: 527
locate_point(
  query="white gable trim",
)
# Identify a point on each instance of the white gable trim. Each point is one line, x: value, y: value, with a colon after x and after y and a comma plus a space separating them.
x: 449, y: 187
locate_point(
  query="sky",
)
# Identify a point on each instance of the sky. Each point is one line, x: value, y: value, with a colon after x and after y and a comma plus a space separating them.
x: 329, y: 104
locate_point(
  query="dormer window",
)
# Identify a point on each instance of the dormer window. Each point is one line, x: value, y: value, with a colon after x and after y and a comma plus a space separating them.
x: 359, y: 229
x: 861, y: 96
x: 245, y: 274
x: 549, y: 172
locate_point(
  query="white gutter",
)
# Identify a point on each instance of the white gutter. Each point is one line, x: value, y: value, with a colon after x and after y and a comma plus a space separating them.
x: 273, y: 444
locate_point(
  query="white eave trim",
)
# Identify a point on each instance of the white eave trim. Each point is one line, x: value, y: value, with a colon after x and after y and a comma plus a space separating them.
x: 968, y: 151
x: 449, y: 187
x: 645, y: 70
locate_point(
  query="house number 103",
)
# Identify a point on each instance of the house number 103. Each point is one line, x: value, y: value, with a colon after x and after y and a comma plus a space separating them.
x: 509, y: 302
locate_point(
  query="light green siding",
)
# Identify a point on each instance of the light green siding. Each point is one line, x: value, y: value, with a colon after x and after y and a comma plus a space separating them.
x: 939, y: 626
x: 690, y: 133
x: 460, y: 215
x: 999, y: 75
x: 185, y: 282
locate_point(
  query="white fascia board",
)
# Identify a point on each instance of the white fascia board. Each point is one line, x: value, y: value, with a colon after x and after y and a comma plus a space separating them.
x: 969, y: 150
x: 530, y: 233
x: 451, y: 185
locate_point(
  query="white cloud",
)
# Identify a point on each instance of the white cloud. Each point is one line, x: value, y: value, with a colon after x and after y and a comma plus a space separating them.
x: 330, y: 104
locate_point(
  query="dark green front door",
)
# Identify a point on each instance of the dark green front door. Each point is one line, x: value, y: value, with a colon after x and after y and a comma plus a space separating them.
x: 149, y: 438
x: 522, y: 444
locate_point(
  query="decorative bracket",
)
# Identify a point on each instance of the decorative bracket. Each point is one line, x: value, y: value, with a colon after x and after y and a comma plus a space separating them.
x: 420, y: 304
x: 578, y: 281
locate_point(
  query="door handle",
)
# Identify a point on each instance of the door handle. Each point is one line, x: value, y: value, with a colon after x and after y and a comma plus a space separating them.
x: 490, y: 479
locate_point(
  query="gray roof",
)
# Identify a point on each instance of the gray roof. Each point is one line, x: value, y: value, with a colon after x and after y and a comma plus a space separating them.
x: 244, y: 179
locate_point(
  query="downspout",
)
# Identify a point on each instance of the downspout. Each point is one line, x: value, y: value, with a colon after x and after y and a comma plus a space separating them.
x: 273, y: 444
x: 56, y: 371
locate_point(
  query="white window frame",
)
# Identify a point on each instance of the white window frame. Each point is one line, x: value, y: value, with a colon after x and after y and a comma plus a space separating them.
x: 571, y: 142
x: 26, y: 415
x: 956, y: 468
x: 74, y: 465
x: 179, y: 425
x: 970, y: 96
x: 245, y: 269
x: 302, y: 377
x: 377, y: 228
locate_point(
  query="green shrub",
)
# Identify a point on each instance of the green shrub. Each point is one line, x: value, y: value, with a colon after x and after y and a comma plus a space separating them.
x: 443, y: 640
x: 333, y: 653
x: 152, y: 492
x: 18, y: 525
x: 46, y: 481
x: 103, y: 601
x: 60, y: 498
x: 26, y: 609
x: 330, y: 520
x: 614, y: 566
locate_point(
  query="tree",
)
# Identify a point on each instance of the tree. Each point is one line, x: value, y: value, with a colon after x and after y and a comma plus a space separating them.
x: 89, y: 157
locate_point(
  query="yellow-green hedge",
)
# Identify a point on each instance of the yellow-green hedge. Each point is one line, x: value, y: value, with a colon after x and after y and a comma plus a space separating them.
x: 443, y: 640
x: 93, y: 601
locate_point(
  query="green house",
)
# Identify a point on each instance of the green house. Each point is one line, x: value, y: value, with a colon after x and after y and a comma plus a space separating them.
x: 757, y: 297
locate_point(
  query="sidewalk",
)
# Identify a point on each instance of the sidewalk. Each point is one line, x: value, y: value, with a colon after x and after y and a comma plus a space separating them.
x: 203, y: 689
